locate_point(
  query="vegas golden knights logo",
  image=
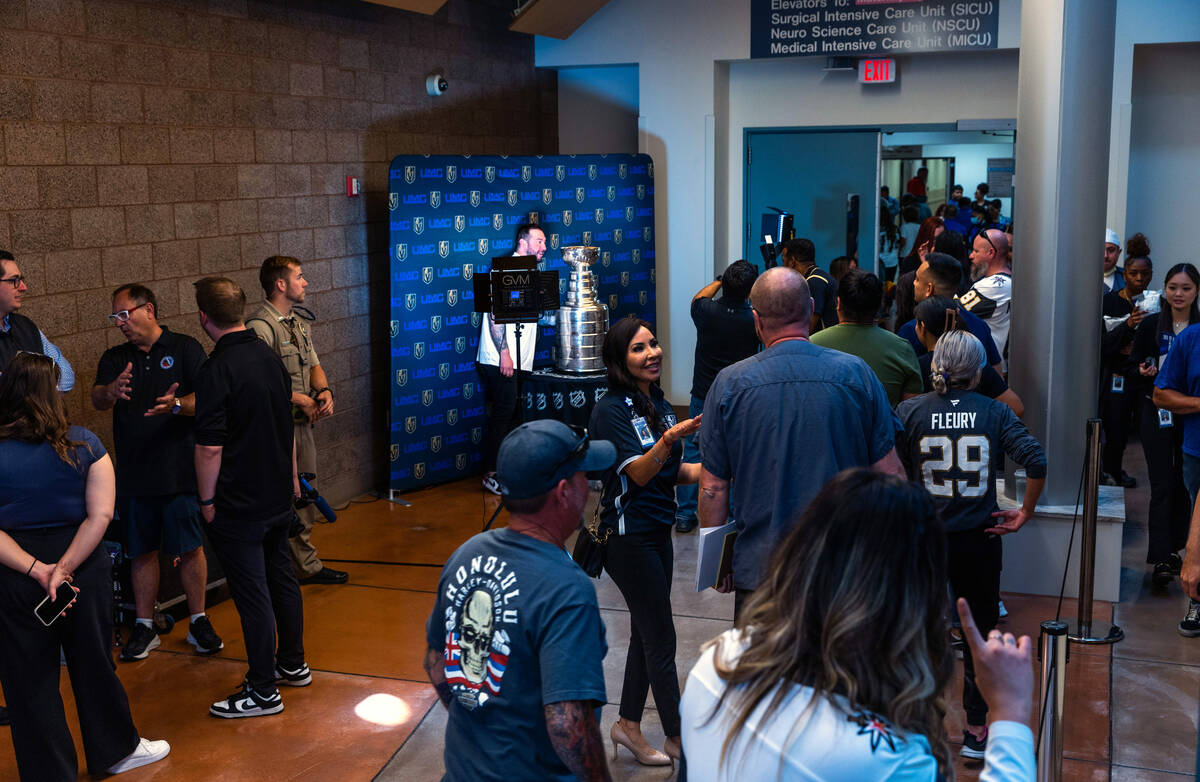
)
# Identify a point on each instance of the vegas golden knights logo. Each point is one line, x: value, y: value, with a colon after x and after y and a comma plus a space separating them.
x: 580, y: 194
x: 451, y: 174
x: 587, y: 238
x: 646, y: 234
x: 629, y: 214
x: 547, y: 195
x: 636, y: 256
x: 624, y: 279
x: 612, y: 192
x: 606, y: 258
x: 593, y: 170
x: 477, y: 434
x: 475, y: 200
x: 482, y: 246
x: 393, y: 201
x: 418, y: 225
x: 410, y: 424
x: 554, y: 241
x: 452, y: 415
x: 435, y: 323
x: 393, y: 328
x: 394, y: 452
x: 468, y: 390
x: 418, y: 350
x: 512, y: 197
x: 497, y: 221
x: 435, y: 198
x: 468, y: 272
x: 641, y: 192
x: 427, y: 397
x: 460, y: 223
x: 618, y: 235
x: 613, y: 300
x: 410, y: 174
x: 410, y: 301
x: 435, y: 443
x: 401, y: 377
x: 419, y: 470
x: 526, y: 173
x: 560, y: 173
x: 427, y: 274
x: 444, y: 370
x: 444, y: 248
x: 402, y: 251
x: 623, y: 170
x: 460, y: 462
x: 642, y: 298
x: 489, y: 173
x: 452, y: 296
x: 568, y: 218
x: 650, y: 170
x: 599, y: 216
x: 460, y: 344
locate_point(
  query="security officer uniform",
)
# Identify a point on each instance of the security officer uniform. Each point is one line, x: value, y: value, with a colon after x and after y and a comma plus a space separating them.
x: 288, y: 336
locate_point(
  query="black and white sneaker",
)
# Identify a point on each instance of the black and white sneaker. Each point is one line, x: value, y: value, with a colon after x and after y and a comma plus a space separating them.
x: 1190, y: 626
x: 247, y: 703
x: 300, y: 677
x: 141, y: 641
x: 491, y: 484
x: 1166, y: 571
x: 202, y: 636
x: 972, y: 747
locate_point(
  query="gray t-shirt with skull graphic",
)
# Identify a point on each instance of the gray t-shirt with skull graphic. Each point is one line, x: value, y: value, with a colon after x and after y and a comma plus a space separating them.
x: 520, y: 627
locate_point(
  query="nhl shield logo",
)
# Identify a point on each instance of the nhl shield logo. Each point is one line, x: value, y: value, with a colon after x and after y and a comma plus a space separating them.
x: 606, y: 258
x: 460, y: 344
x: 554, y: 241
x: 435, y: 198
x: 418, y: 225
x: 489, y: 173
x: 512, y: 197
x: 460, y: 223
x: 578, y: 398
x: 419, y: 470
x: 599, y: 393
x: 612, y: 192
x: 402, y: 251
x: 560, y: 173
x: 435, y: 323
x: 443, y: 248
x: 497, y: 221
x: 393, y: 328
x: 393, y: 452
x: 460, y: 462
x: 623, y: 170
x: 475, y: 200
x: 444, y: 370
x: 593, y: 170
x: 636, y: 256
x: 410, y: 174
x: 629, y: 214
x: 618, y: 235
x: 393, y: 201
x: 646, y: 234
x: 547, y: 195
x: 468, y: 271
x: 642, y: 298
x: 580, y: 194
x: 482, y: 246
x: 401, y: 377
x: 641, y: 192
x: 410, y: 424
x: 468, y: 390
x: 435, y: 443
x: 613, y: 300
x: 558, y: 400
x: 452, y: 416
x: 598, y: 215
x: 587, y: 238
x: 568, y: 217
x: 418, y: 350
x: 477, y: 434
x: 624, y: 279
x: 451, y: 174
x: 526, y: 173
x: 452, y: 296
x: 410, y: 301
x: 427, y: 397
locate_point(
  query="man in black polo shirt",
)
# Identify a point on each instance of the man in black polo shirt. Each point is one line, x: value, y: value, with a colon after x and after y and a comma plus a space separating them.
x: 246, y: 479
x: 148, y: 383
x: 724, y: 335
x: 800, y: 254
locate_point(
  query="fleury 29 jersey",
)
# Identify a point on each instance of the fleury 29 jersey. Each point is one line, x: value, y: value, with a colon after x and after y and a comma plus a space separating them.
x: 948, y: 446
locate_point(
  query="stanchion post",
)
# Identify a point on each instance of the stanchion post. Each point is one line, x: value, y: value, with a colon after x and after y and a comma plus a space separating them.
x: 1054, y: 688
x: 1087, y: 543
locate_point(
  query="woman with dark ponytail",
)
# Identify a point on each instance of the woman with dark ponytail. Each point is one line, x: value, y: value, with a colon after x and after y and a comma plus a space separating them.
x: 637, y: 511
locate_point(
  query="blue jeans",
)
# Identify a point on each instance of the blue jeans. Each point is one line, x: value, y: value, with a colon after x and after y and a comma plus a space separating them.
x: 686, y: 494
x: 1191, y: 475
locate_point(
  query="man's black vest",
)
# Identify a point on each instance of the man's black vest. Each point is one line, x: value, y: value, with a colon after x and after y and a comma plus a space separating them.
x: 21, y: 335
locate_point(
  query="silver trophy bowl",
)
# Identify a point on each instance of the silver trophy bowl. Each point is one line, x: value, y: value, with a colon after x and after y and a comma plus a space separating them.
x: 582, y: 320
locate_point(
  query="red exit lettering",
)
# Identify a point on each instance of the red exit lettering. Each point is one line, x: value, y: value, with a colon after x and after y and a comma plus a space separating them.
x: 876, y: 71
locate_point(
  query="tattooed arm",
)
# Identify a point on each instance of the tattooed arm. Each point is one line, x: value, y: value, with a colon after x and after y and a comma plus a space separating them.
x: 500, y: 340
x: 435, y: 669
x: 575, y: 735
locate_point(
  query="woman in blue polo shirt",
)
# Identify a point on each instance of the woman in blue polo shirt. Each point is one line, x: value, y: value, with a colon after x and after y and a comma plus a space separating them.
x: 638, y: 507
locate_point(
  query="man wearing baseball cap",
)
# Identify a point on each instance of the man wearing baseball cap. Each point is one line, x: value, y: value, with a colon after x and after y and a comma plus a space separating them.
x: 515, y: 640
x: 1114, y: 276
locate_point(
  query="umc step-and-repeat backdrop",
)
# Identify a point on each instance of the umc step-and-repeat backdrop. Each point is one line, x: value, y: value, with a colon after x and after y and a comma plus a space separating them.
x: 449, y: 216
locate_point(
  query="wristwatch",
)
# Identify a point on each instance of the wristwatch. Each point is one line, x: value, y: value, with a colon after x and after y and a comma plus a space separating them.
x: 206, y: 503
x: 175, y: 408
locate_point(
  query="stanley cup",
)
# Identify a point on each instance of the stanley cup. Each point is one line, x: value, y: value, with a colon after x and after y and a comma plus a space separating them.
x: 582, y: 320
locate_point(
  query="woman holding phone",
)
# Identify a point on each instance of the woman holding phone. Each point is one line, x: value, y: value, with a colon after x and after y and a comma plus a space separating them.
x: 57, y: 489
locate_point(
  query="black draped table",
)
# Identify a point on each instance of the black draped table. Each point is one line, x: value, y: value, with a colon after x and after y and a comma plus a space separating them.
x: 563, y: 397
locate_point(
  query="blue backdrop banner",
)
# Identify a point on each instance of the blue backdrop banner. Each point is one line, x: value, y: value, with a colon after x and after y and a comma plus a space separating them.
x: 449, y: 216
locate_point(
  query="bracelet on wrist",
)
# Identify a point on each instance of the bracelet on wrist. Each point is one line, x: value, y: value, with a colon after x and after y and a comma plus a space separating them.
x: 206, y: 503
x: 31, y: 564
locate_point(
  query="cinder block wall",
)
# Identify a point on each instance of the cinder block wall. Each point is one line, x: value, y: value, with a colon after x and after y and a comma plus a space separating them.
x: 161, y: 141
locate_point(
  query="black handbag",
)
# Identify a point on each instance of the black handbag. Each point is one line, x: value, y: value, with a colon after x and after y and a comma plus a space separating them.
x: 591, y: 545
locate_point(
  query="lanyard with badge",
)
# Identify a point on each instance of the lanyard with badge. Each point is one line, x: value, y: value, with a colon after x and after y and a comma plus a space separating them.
x: 1165, y: 419
x: 642, y: 429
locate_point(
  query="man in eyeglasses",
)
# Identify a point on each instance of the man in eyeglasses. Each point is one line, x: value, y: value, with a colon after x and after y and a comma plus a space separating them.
x: 515, y: 642
x: 17, y: 332
x: 276, y: 322
x: 990, y: 297
x: 148, y: 383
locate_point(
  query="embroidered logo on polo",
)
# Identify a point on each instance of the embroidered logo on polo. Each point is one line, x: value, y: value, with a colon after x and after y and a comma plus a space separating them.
x: 479, y: 596
x: 875, y: 728
x: 167, y: 362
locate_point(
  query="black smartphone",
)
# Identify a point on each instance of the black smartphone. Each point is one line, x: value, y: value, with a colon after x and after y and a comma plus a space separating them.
x: 48, y: 610
x: 1149, y: 362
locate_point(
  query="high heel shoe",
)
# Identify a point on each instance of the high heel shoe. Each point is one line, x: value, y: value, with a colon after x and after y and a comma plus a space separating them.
x: 651, y: 757
x: 673, y: 750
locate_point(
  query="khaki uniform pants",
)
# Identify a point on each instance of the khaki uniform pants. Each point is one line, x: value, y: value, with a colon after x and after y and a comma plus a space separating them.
x: 304, y: 553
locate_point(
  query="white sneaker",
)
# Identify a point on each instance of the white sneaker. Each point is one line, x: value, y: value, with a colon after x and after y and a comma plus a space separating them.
x: 147, y: 752
x: 491, y: 484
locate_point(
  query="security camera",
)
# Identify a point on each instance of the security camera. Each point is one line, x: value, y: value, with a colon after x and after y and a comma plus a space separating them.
x: 436, y: 84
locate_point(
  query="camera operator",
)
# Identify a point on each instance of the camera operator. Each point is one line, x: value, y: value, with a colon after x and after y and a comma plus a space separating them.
x: 275, y: 322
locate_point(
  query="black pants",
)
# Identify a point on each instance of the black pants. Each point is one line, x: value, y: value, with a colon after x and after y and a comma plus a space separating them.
x: 1170, y: 509
x: 640, y: 565
x: 29, y: 667
x: 740, y: 598
x: 1117, y: 413
x: 258, y: 569
x: 974, y: 559
x: 504, y: 413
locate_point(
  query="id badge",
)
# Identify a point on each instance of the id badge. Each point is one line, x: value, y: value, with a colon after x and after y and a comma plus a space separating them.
x: 1165, y: 419
x: 643, y: 431
x: 1118, y: 384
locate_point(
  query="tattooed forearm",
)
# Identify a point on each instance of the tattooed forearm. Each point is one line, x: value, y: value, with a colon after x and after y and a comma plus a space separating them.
x: 435, y: 669
x: 499, y: 337
x: 576, y: 738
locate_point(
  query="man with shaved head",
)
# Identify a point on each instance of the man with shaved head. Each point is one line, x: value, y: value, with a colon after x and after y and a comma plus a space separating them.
x: 781, y: 423
x: 990, y: 297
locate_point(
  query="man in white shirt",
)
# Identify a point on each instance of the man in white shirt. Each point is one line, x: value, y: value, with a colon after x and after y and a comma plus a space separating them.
x: 496, y: 362
x: 990, y: 297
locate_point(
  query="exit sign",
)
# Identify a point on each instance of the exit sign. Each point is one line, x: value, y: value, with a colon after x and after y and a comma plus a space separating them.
x: 876, y: 71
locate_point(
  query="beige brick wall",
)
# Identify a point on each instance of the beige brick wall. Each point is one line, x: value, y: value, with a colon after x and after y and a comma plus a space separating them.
x: 159, y: 141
